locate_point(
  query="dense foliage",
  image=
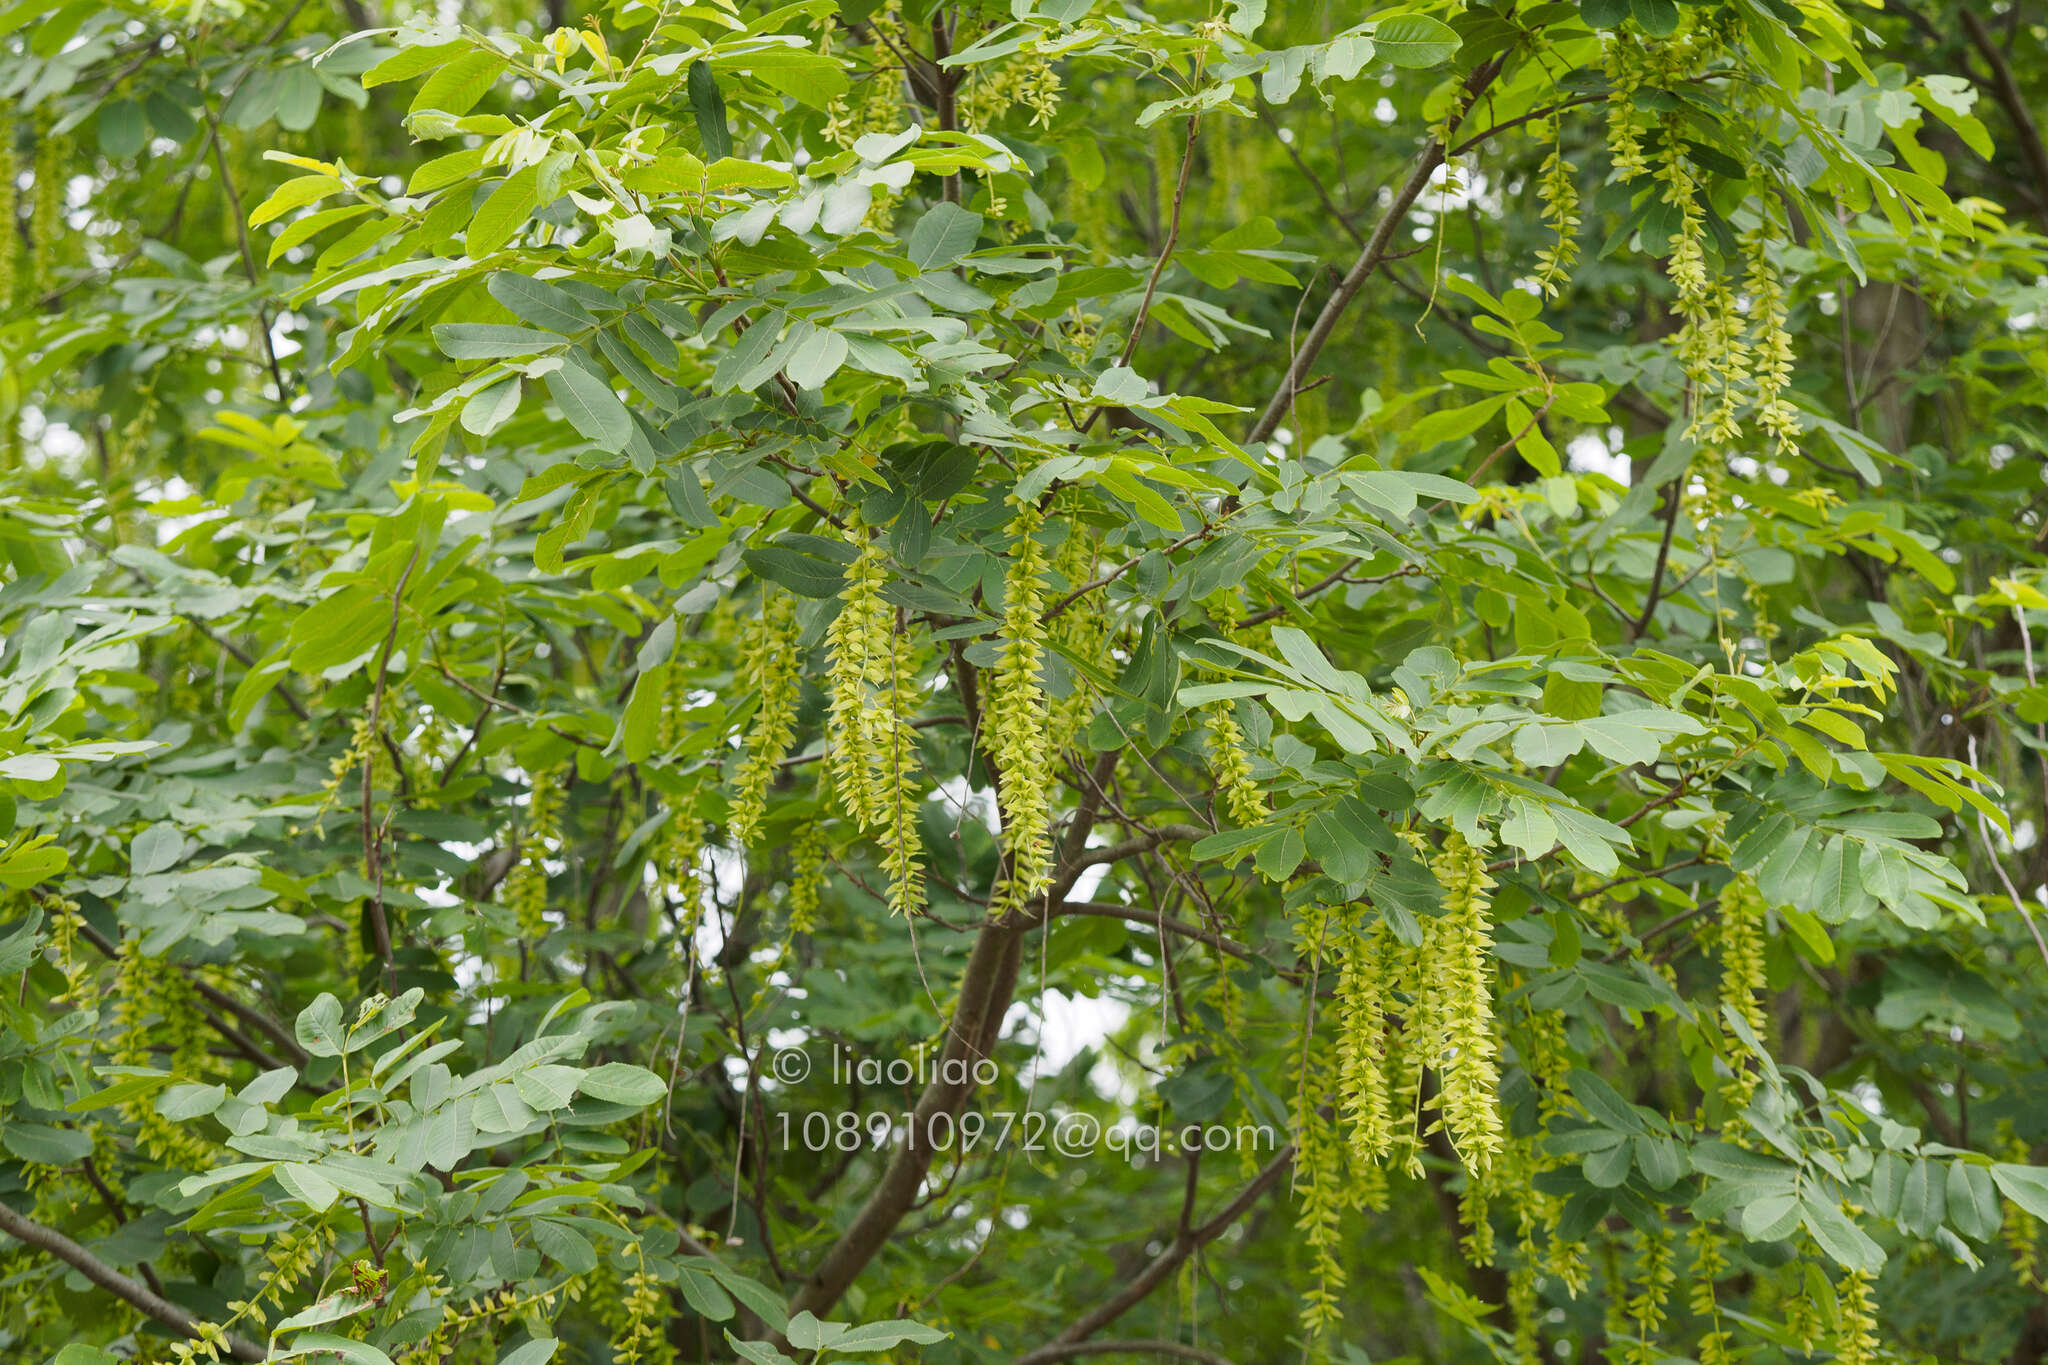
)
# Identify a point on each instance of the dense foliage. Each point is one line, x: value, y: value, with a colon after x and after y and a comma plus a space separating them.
x: 970, y: 681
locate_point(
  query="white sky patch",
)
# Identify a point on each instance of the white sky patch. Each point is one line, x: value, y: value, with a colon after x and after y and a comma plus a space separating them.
x: 1068, y: 1025
x: 1589, y: 453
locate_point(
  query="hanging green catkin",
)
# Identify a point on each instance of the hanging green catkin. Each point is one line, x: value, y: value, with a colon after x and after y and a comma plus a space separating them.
x: 1320, y: 1180
x: 10, y: 218
x: 1647, y: 1306
x: 1723, y: 338
x: 1557, y: 190
x: 769, y: 655
x: 1803, y: 1309
x: 806, y: 879
x: 1459, y: 948
x: 1624, y: 121
x: 2020, y: 1230
x: 1017, y: 721
x: 894, y: 744
x: 1364, y: 1094
x: 1709, y: 1263
x: 526, y: 890
x: 46, y: 213
x: 1082, y: 631
x: 1742, y: 974
x: 1773, y: 344
x: 872, y: 748
x: 1526, y: 1306
x: 1231, y: 768
x: 1856, y: 1334
x: 858, y: 640
x: 156, y: 1004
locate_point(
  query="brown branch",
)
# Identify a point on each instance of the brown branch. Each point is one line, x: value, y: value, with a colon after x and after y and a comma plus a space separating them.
x: 1161, y: 1266
x: 1144, y: 313
x: 2012, y: 100
x: 1368, y: 261
x: 1672, y: 502
x: 1083, y: 859
x: 985, y: 989
x: 1135, y: 1348
x: 256, y: 1018
x: 1104, y: 580
x: 135, y: 1294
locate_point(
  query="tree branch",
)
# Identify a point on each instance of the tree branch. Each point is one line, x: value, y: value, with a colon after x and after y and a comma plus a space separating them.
x: 134, y: 1293
x: 1138, y: 915
x: 1368, y: 261
x: 1136, y: 1348
x: 2012, y: 100
x: 373, y: 837
x: 984, y: 998
x: 1161, y: 1266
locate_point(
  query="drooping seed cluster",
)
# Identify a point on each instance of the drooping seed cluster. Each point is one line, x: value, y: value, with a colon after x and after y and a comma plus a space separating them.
x: 770, y: 655
x: 1017, y: 718
x: 873, y: 691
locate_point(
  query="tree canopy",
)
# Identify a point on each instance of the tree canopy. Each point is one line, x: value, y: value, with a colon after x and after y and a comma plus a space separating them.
x: 963, y: 681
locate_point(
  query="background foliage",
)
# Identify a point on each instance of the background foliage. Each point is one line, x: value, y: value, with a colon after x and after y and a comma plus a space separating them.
x: 1460, y: 582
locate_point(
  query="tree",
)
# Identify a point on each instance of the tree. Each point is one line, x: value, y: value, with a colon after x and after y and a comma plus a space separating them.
x: 615, y: 622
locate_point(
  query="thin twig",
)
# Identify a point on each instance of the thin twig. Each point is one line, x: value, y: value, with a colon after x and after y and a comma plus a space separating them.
x: 373, y: 838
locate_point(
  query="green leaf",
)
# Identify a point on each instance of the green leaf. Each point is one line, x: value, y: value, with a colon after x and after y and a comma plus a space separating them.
x: 709, y: 107
x: 2026, y: 1186
x: 1837, y: 1235
x: 882, y: 1336
x: 1771, y: 1218
x: 538, y: 1351
x: 1658, y: 18
x: 350, y: 1352
x: 1604, y: 1102
x: 591, y: 407
x: 319, y: 1027
x: 307, y: 1184
x: 294, y: 194
x: 1414, y: 40
x: 507, y: 210
x: 540, y: 303
x: 1924, y: 1202
x: 1973, y: 1206
x: 640, y: 726
x: 565, y: 1246
x: 491, y: 340
x: 548, y: 1088
x: 45, y: 1145
x: 1277, y: 858
x: 703, y: 1295
x: 333, y: 1308
x: 78, y: 1353
x: 122, y: 129
x: 623, y: 1083
x: 155, y: 850
x: 491, y: 407
x: 805, y: 575
x: 182, y: 1103
x: 945, y: 234
x: 456, y: 87
x: 1608, y: 1167
x: 815, y: 358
